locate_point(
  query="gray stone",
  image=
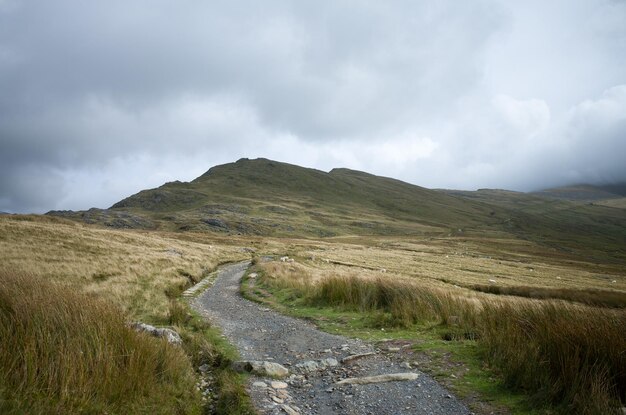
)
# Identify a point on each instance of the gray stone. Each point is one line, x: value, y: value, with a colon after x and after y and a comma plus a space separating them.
x: 353, y: 357
x: 290, y: 410
x: 170, y: 335
x: 313, y: 366
x: 328, y: 362
x: 261, y: 368
x: 276, y: 384
x: 391, y: 377
x: 308, y: 366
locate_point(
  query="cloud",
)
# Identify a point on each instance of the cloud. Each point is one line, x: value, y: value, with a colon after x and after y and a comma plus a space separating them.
x: 100, y: 100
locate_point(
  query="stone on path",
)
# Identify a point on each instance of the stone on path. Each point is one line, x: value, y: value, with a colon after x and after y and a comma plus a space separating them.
x: 290, y: 410
x: 261, y: 368
x: 312, y: 365
x: 391, y: 377
x: 353, y: 357
x: 308, y: 366
x: 276, y: 384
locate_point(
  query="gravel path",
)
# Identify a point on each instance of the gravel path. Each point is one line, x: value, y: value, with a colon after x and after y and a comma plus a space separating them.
x: 263, y: 334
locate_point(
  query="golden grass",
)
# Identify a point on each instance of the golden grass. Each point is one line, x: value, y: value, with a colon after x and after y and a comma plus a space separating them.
x: 567, y: 355
x: 114, y: 276
x: 592, y: 297
x: 67, y: 352
x: 134, y: 270
x: 460, y: 261
x: 141, y: 272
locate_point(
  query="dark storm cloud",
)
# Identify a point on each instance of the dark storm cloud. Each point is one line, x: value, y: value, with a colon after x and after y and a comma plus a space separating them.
x: 101, y: 99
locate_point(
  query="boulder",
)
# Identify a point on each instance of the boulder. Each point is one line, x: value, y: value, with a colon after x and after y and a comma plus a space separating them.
x: 261, y: 368
x: 168, y: 334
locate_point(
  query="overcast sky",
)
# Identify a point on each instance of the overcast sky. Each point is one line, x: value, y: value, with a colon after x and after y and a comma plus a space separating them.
x: 99, y: 100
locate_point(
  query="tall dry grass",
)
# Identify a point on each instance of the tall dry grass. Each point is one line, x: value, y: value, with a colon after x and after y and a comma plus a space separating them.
x: 65, y: 352
x: 139, y: 272
x: 565, y: 354
x: 568, y: 356
x: 589, y: 296
x: 403, y: 301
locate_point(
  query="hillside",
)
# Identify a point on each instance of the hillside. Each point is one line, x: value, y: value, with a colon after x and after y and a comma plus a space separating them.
x: 586, y: 192
x: 582, y: 228
x: 265, y: 197
x: 269, y: 198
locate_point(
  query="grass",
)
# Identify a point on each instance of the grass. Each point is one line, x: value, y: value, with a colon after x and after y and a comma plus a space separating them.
x: 564, y: 356
x: 143, y: 273
x: 67, y: 352
x: 569, y: 356
x: 598, y: 298
x: 138, y: 271
x: 97, y: 280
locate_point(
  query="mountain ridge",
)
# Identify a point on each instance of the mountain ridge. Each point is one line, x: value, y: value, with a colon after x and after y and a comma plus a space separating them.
x: 270, y: 198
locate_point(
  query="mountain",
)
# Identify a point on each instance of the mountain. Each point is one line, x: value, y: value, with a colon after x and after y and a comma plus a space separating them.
x: 586, y: 192
x: 270, y: 198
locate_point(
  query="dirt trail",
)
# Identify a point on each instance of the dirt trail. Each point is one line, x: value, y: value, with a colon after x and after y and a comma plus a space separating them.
x: 263, y: 334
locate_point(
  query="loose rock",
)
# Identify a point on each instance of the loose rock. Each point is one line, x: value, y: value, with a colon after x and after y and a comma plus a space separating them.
x: 354, y: 357
x: 170, y: 335
x: 392, y: 377
x: 261, y: 368
x: 290, y: 410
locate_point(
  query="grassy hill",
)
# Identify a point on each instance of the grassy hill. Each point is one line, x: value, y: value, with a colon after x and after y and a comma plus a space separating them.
x: 265, y: 197
x: 269, y: 198
x: 586, y: 192
x: 597, y: 232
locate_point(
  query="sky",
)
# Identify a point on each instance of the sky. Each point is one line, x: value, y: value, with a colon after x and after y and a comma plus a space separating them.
x: 99, y: 100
